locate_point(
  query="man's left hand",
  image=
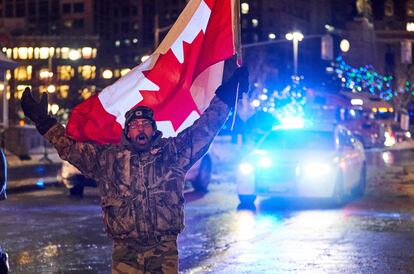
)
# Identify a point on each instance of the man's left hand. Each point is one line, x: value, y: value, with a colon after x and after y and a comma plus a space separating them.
x: 227, y: 92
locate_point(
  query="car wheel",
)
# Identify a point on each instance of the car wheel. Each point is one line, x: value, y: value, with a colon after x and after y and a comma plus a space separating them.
x: 77, y: 187
x: 77, y: 191
x: 247, y: 200
x: 338, y: 196
x: 360, y: 188
x: 204, y: 175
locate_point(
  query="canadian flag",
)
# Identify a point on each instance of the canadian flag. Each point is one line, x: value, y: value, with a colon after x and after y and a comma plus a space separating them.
x: 178, y: 81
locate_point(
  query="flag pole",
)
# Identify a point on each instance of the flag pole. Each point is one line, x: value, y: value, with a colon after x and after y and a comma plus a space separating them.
x: 238, y: 49
x: 237, y: 32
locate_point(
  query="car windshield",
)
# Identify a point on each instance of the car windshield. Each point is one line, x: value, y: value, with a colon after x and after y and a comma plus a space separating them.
x: 299, y: 139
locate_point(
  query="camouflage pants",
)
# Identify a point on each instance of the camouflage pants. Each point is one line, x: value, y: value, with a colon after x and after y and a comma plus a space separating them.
x: 132, y: 258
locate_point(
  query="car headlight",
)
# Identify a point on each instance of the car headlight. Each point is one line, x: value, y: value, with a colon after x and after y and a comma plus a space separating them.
x: 265, y: 162
x: 246, y: 168
x: 317, y: 169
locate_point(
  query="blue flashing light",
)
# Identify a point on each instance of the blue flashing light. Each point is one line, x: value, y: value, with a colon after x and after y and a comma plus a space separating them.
x: 40, y: 183
x: 292, y: 122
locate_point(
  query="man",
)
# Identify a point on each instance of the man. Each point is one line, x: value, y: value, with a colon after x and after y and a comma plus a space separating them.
x: 141, y: 179
x: 4, y: 265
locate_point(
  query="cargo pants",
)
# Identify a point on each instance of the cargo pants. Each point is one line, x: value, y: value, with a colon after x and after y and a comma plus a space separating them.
x: 134, y: 258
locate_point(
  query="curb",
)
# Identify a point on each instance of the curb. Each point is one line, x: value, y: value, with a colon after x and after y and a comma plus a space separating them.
x: 33, y: 187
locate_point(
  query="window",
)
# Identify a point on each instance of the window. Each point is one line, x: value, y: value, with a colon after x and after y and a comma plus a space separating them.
x: 44, y: 53
x: 255, y: 23
x: 20, y: 10
x: 410, y: 26
x: 32, y: 9
x: 87, y: 53
x: 87, y: 72
x: 44, y: 9
x: 19, y: 91
x: 115, y: 27
x: 86, y: 93
x: 67, y: 24
x: 125, y: 27
x: 410, y: 8
x: 66, y: 8
x: 9, y: 10
x: 125, y: 11
x: 65, y: 73
x: 134, y: 11
x: 245, y: 8
x: 25, y: 53
x: 78, y: 23
x: 23, y: 73
x: 63, y: 91
x: 78, y: 8
x: 44, y: 73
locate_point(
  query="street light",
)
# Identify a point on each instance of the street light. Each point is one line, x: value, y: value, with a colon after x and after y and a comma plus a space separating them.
x: 345, y: 46
x: 296, y: 37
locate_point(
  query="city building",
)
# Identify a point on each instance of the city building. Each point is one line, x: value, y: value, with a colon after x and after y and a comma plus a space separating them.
x: 270, y: 54
x: 72, y: 48
x: 394, y: 29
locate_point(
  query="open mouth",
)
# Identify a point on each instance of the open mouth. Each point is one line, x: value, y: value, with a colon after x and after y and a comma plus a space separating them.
x: 142, y: 139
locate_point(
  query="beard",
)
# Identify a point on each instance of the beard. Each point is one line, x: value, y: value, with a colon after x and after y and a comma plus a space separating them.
x: 142, y: 143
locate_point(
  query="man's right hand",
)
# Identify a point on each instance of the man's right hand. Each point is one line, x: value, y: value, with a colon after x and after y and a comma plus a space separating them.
x: 37, y: 112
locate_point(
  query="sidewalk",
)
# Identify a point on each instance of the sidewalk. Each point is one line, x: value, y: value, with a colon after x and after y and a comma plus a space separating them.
x: 32, y: 173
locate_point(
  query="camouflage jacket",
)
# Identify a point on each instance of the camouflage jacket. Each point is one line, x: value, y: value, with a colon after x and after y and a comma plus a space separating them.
x: 142, y: 193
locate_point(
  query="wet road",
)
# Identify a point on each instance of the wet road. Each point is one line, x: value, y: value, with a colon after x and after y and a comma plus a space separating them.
x: 48, y: 232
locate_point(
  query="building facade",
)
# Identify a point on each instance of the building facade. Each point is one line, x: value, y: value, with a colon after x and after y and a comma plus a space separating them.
x: 394, y: 29
x: 268, y: 52
x: 74, y: 48
x: 71, y: 48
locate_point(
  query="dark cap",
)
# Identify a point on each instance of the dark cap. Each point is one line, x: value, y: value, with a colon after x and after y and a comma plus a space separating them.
x: 139, y: 112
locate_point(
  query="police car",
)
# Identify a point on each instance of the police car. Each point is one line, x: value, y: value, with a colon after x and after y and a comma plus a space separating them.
x: 315, y: 161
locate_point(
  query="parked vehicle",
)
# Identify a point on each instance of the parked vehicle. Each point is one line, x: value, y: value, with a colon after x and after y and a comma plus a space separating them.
x: 315, y: 161
x: 199, y: 176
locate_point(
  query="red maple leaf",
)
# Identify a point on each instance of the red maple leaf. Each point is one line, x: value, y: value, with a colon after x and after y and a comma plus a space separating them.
x: 173, y: 102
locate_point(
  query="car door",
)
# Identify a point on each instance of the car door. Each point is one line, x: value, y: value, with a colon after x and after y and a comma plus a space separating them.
x: 358, y: 158
x: 349, y: 158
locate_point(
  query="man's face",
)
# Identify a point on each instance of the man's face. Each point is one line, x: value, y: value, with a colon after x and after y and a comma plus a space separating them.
x: 140, y: 132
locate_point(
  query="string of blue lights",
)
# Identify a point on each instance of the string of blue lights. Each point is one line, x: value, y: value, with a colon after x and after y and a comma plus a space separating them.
x: 366, y: 79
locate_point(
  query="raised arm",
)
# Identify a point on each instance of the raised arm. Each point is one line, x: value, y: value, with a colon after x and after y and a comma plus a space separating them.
x: 194, y: 142
x: 82, y: 155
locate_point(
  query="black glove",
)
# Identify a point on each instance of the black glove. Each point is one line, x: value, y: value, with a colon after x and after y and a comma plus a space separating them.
x: 227, y: 91
x: 37, y: 112
x: 4, y: 264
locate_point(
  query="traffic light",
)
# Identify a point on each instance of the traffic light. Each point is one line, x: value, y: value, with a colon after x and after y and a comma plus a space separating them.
x: 406, y: 52
x: 327, y: 51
